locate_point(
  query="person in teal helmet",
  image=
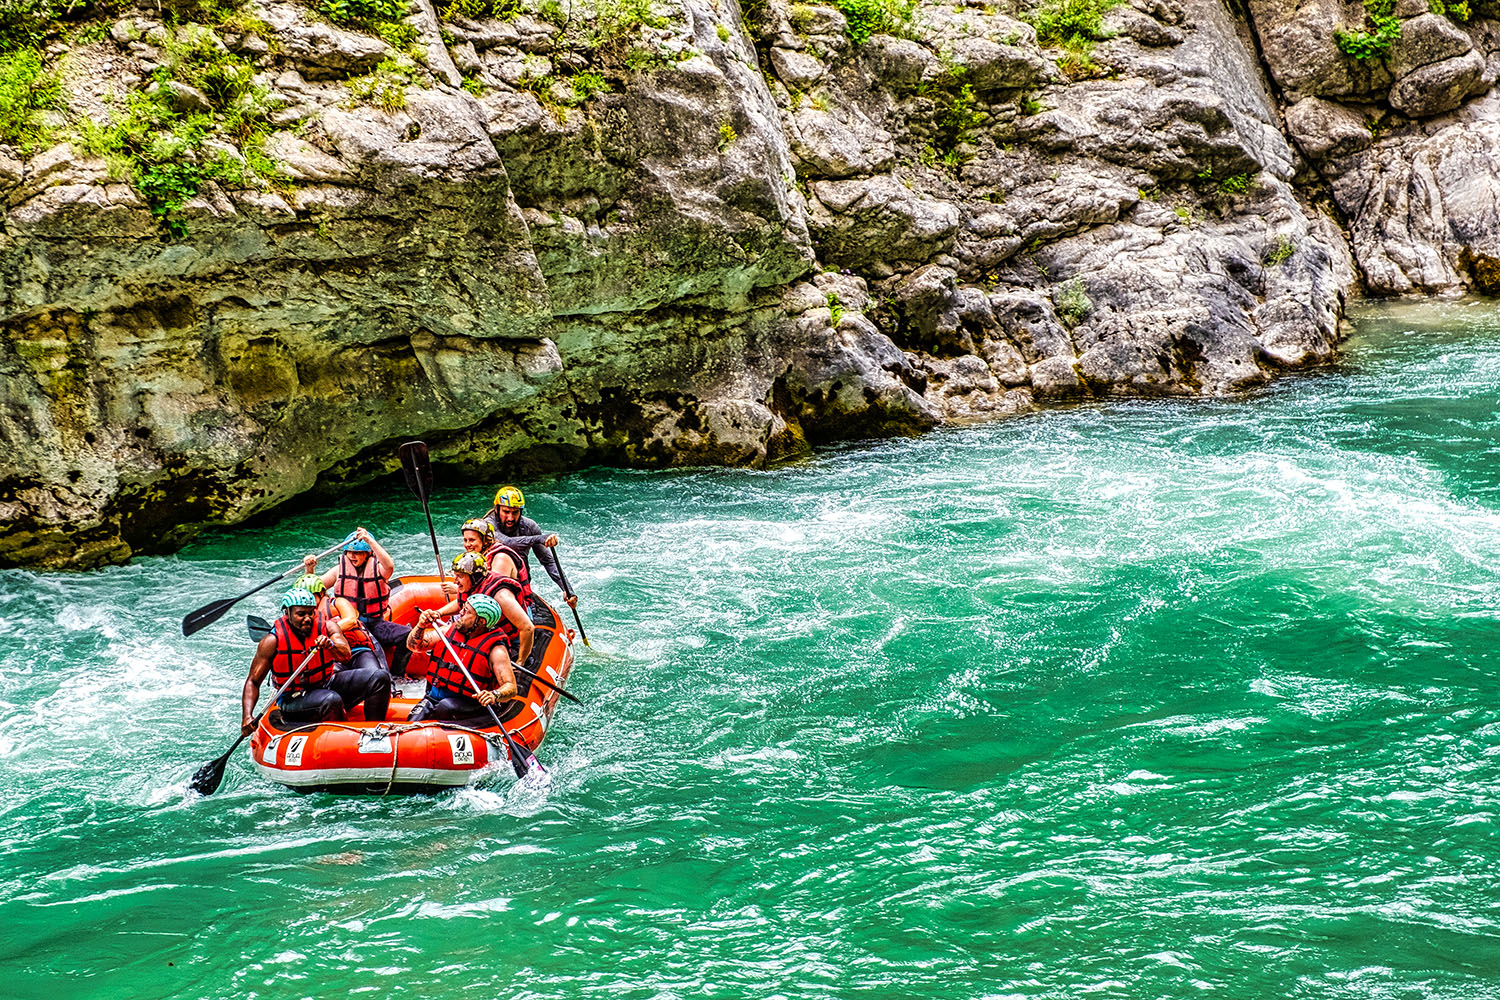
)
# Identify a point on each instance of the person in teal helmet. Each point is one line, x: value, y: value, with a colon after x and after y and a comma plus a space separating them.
x: 487, y: 640
x: 363, y: 578
x: 327, y: 688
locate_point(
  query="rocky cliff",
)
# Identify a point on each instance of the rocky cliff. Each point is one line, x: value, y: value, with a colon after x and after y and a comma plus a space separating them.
x: 247, y: 248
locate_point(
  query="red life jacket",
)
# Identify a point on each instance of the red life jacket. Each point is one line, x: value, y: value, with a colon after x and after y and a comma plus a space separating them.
x: 493, y: 583
x: 371, y: 595
x: 523, y: 572
x: 290, y: 651
x: 475, y: 651
x: 357, y: 635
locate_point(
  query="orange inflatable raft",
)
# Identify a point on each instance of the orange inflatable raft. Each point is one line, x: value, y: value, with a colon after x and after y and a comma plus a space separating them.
x: 392, y: 755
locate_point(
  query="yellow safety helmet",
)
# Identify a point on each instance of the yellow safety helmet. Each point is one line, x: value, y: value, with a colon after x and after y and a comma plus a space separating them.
x: 469, y: 564
x: 479, y: 526
x: 509, y: 496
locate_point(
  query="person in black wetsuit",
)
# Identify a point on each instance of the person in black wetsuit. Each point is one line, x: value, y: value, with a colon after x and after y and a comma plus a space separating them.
x: 488, y: 639
x: 516, y: 531
x: 326, y: 688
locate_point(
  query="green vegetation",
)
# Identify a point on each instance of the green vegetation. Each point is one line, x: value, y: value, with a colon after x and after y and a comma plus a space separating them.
x: 1185, y: 214
x: 723, y: 33
x: 727, y: 136
x: 1376, y: 43
x: 25, y: 24
x: 835, y: 309
x: 160, y: 141
x: 475, y: 10
x: 385, y: 18
x: 1073, y: 26
x: 384, y: 86
x: 1281, y: 252
x: 1454, y: 11
x: 1072, y: 302
x: 586, y: 84
x: 1236, y: 183
x: 863, y: 18
x: 27, y: 93
x: 1028, y: 105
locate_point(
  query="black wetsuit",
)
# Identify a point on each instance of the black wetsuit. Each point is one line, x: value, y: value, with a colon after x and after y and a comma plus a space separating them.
x: 348, y: 687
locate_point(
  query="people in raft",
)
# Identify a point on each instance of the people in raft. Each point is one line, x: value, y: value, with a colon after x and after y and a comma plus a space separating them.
x: 363, y: 578
x: 521, y: 533
x: 326, y: 689
x: 488, y: 636
x: 496, y: 559
x: 341, y: 612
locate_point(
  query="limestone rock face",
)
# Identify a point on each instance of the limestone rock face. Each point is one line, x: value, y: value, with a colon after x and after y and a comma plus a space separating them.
x: 699, y: 234
x: 1407, y: 143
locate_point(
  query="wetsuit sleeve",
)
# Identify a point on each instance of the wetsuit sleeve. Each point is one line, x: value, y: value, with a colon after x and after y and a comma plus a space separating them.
x: 543, y: 553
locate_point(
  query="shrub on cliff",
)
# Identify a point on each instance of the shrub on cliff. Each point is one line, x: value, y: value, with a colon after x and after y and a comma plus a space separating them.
x: 1375, y: 43
x: 27, y: 92
x: 863, y: 18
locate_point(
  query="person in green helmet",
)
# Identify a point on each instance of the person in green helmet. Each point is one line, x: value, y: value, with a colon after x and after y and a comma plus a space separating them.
x: 340, y: 611
x: 486, y: 642
x: 326, y: 689
x: 522, y: 535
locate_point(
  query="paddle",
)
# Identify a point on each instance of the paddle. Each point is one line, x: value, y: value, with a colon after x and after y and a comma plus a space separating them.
x: 258, y: 628
x: 515, y: 749
x: 418, y: 473
x: 569, y: 589
x: 210, y: 613
x: 535, y: 676
x: 206, y: 779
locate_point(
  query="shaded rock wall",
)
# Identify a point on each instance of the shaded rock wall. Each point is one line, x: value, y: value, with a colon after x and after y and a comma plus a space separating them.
x: 706, y: 237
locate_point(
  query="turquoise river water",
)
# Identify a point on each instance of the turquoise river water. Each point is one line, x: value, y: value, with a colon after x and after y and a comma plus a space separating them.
x: 1149, y: 699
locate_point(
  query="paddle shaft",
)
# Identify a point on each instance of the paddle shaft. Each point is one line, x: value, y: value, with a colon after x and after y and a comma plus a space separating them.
x: 210, y: 613
x: 510, y: 744
x: 568, y: 589
x: 537, y: 677
x: 217, y: 764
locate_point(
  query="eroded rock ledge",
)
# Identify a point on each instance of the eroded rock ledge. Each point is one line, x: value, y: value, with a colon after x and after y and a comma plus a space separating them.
x: 700, y: 238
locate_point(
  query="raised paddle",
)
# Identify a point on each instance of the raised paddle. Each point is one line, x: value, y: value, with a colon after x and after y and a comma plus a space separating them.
x: 569, y: 589
x: 515, y: 749
x: 206, y: 780
x: 418, y: 472
x: 210, y: 613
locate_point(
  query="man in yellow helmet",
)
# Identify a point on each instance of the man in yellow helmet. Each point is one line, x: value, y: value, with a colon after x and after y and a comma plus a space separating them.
x: 523, y: 535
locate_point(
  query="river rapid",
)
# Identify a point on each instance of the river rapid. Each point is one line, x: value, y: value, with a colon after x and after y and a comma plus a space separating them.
x: 1147, y: 699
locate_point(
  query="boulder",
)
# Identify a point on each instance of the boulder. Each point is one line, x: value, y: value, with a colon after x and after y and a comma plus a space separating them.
x: 1324, y: 129
x: 1436, y: 87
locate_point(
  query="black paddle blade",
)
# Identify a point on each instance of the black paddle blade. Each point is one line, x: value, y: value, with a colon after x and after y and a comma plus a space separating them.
x: 206, y: 615
x: 258, y: 627
x: 416, y: 468
x: 206, y: 781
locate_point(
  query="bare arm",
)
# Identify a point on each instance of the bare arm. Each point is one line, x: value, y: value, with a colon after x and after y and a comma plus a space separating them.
x: 338, y: 643
x: 421, y: 637
x: 521, y: 620
x: 505, y: 678
x: 348, y: 615
x: 259, y: 667
x: 387, y: 564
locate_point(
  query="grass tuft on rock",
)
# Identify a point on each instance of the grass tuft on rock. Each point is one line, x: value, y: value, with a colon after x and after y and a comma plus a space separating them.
x: 27, y: 93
